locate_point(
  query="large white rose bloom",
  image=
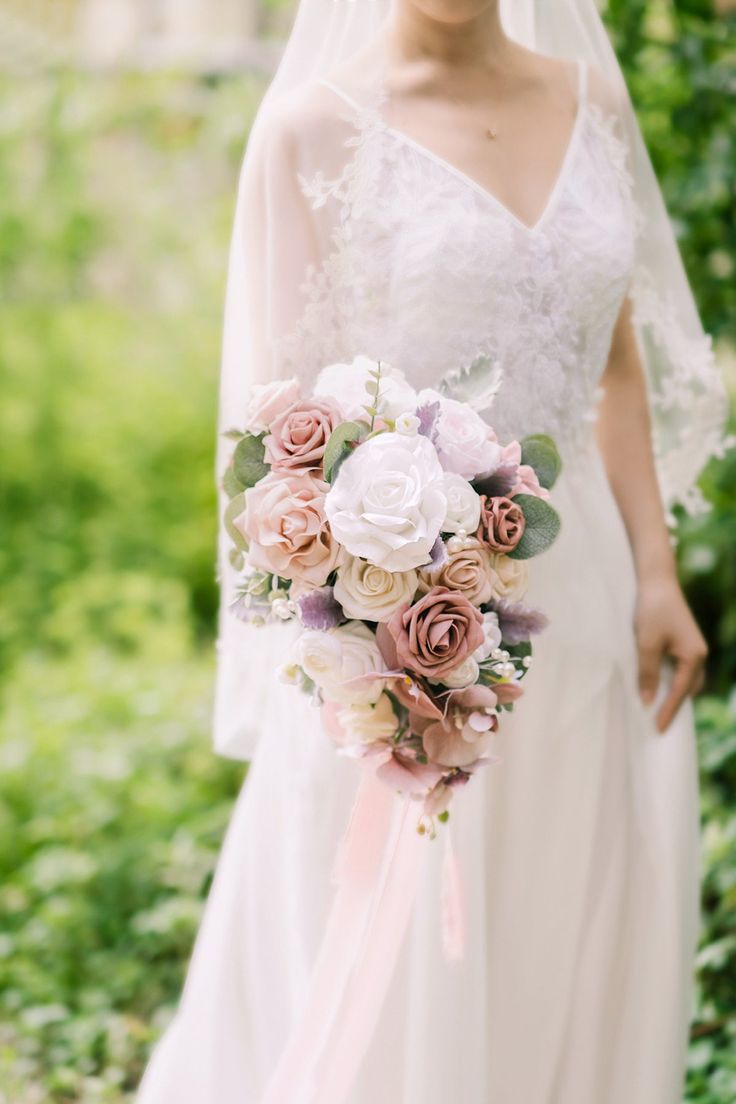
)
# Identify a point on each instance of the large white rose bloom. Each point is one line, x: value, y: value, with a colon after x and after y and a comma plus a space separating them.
x: 388, y: 504
x: 346, y: 383
x: 464, y: 441
x: 337, y: 659
x: 372, y: 593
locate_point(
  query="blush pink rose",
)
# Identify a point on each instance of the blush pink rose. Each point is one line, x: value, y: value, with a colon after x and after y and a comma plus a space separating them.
x: 526, y: 477
x: 468, y: 569
x: 267, y: 401
x: 501, y: 524
x: 437, y: 633
x: 285, y: 525
x: 299, y: 435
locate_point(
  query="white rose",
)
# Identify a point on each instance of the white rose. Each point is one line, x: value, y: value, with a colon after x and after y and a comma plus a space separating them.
x: 336, y: 660
x: 407, y: 423
x: 463, y: 505
x: 492, y: 631
x: 369, y: 592
x: 387, y: 504
x: 463, y: 439
x: 511, y: 577
x: 365, y: 723
x: 346, y: 385
x: 465, y: 674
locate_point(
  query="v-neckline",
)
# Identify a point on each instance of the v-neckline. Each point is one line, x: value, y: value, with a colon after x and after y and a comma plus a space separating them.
x: 475, y: 185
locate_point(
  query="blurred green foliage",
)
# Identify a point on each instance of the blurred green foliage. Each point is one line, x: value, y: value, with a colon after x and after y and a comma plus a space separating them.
x: 116, y: 195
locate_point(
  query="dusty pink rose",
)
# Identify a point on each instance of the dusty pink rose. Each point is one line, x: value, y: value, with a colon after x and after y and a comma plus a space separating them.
x: 464, y: 736
x: 501, y: 524
x: 299, y: 435
x: 437, y: 633
x: 468, y: 569
x: 286, y: 529
x: 267, y: 401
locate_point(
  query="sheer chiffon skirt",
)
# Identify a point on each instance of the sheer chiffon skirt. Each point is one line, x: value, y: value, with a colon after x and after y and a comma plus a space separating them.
x: 579, y: 863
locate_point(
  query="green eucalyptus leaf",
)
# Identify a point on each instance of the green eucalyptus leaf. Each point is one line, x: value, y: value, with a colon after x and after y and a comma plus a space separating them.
x: 233, y: 510
x: 541, y: 529
x: 249, y: 464
x: 338, y: 446
x: 231, y: 484
x: 540, y: 452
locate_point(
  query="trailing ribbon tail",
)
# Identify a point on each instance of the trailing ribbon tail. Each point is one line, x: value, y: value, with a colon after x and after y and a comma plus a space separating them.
x: 377, y: 873
x: 453, y: 910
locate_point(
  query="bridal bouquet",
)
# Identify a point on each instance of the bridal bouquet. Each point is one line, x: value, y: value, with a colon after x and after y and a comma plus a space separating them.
x: 395, y: 529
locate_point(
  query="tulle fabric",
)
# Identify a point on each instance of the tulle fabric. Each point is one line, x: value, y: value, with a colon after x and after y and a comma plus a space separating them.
x: 578, y: 857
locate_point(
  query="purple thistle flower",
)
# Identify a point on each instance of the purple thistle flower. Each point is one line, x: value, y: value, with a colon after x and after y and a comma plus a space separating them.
x: 320, y: 609
x: 428, y: 415
x: 516, y: 621
x: 497, y: 483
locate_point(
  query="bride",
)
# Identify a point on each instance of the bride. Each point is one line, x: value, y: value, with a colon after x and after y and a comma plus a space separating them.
x: 428, y: 180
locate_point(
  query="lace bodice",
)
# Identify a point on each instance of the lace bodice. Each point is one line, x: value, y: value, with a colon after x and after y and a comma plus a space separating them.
x: 426, y: 269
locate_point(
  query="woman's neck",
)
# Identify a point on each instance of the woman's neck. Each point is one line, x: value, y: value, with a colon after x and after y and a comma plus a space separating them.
x: 476, y: 42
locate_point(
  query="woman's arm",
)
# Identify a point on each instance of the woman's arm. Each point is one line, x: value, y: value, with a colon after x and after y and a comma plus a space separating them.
x: 664, y: 624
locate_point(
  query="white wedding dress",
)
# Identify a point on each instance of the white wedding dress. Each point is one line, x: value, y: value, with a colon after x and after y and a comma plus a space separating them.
x: 579, y: 849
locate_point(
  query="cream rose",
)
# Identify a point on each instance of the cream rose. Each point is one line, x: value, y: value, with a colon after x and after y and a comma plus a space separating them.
x: 463, y: 505
x: 511, y: 577
x: 267, y: 401
x: 387, y: 504
x: 368, y: 724
x: 345, y: 384
x: 341, y: 661
x: 468, y: 570
x: 465, y: 674
x: 369, y: 592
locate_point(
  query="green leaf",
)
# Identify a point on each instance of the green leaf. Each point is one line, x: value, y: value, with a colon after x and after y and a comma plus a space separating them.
x: 540, y: 452
x: 234, y: 434
x: 231, y: 484
x: 248, y: 462
x: 542, y: 527
x: 233, y: 510
x: 338, y: 446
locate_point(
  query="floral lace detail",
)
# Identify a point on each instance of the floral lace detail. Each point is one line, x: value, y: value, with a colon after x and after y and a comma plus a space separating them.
x: 428, y: 271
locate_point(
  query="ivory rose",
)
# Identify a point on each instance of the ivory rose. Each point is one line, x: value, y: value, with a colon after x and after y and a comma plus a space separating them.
x: 463, y: 505
x: 465, y: 443
x: 267, y: 401
x: 371, y: 593
x: 387, y: 504
x: 511, y: 577
x: 344, y: 663
x: 437, y: 633
x: 299, y: 435
x: 285, y: 525
x: 367, y: 723
x: 346, y: 385
x: 468, y: 570
x: 501, y: 524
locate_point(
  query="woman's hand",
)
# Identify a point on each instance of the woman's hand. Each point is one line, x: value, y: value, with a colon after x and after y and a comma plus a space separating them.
x: 665, y: 627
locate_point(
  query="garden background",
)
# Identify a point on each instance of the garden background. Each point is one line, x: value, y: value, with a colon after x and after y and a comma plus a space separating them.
x: 116, y: 195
